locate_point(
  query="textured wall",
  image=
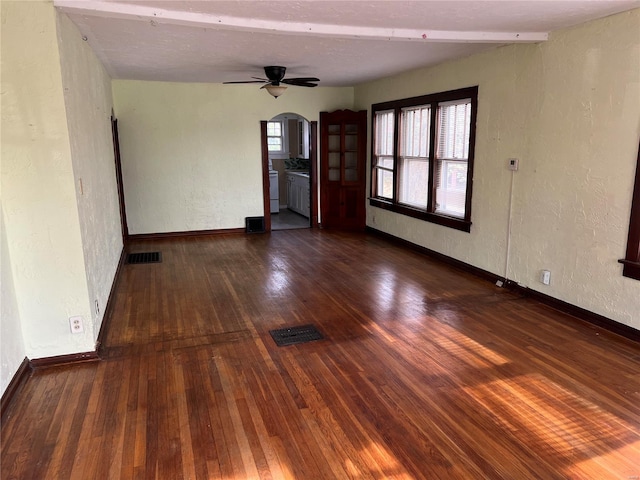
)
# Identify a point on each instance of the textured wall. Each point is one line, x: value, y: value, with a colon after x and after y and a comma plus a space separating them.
x: 12, y: 352
x: 38, y: 191
x: 569, y: 109
x: 191, y: 154
x: 87, y: 94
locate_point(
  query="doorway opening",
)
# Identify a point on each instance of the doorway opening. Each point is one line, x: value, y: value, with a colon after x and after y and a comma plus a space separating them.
x: 289, y: 143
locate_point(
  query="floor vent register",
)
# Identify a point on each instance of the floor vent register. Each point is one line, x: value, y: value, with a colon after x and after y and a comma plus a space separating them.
x: 144, y: 257
x: 295, y: 335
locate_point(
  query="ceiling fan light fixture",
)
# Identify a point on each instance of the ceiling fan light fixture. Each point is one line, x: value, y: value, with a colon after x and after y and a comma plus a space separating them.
x: 275, y: 90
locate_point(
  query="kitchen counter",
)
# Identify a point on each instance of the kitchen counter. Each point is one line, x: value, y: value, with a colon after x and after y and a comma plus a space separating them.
x: 298, y: 173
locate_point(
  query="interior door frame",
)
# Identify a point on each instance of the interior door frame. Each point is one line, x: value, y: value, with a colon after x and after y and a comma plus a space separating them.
x: 116, y: 154
x: 265, y: 176
x: 313, y: 174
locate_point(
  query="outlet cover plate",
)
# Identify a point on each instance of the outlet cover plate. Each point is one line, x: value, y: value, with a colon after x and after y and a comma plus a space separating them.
x: 76, y: 324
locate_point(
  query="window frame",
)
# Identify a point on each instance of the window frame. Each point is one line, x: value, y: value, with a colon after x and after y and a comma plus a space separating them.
x: 429, y: 214
x: 375, y: 164
x: 281, y: 137
x: 631, y: 261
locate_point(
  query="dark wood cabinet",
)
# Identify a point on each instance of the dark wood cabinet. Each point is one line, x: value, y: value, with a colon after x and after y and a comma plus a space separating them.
x: 343, y: 143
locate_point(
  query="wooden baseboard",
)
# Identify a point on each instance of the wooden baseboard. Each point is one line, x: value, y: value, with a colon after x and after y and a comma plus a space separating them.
x: 58, y: 360
x: 578, y: 312
x: 104, y: 327
x: 27, y: 366
x: 16, y: 383
x: 492, y: 277
x: 192, y: 233
x: 565, y: 307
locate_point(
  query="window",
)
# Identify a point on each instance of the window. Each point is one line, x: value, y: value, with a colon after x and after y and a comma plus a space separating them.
x: 383, y: 154
x: 631, y: 261
x: 275, y: 136
x: 413, y: 161
x: 422, y: 158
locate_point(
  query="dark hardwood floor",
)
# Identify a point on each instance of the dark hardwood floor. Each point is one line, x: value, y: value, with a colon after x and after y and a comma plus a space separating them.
x: 425, y: 372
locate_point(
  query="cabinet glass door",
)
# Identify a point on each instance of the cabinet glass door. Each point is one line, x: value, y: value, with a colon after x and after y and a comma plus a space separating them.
x: 351, y: 153
x: 335, y: 148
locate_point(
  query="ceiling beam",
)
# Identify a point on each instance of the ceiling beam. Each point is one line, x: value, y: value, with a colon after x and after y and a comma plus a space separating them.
x: 158, y: 16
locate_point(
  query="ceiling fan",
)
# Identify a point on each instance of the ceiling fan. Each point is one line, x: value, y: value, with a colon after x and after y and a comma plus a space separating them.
x: 275, y: 76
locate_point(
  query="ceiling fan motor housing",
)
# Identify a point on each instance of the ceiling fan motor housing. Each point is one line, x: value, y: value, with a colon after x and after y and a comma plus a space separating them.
x: 275, y: 73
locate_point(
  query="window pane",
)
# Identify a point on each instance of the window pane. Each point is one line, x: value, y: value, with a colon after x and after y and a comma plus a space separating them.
x: 384, y: 133
x: 385, y: 183
x: 274, y: 136
x: 383, y: 153
x: 451, y: 187
x: 274, y: 129
x: 454, y: 125
x: 274, y: 143
x: 413, y: 168
x: 415, y: 132
x: 414, y: 181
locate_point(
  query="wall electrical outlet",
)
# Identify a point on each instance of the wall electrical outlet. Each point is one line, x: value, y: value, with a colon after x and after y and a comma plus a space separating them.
x: 76, y: 324
x: 545, y: 277
x: 513, y: 164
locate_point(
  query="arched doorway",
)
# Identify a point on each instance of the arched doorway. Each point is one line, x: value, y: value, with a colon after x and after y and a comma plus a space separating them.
x: 289, y: 167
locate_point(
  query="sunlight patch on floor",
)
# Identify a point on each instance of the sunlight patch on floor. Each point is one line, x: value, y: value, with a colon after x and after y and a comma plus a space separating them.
x: 589, y: 439
x: 616, y: 458
x: 469, y: 350
x: 387, y: 465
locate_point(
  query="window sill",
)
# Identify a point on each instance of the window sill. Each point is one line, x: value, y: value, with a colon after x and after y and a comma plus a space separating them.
x: 631, y: 269
x: 436, y: 218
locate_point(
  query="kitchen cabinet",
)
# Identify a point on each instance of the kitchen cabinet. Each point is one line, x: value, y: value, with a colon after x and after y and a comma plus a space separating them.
x: 298, y: 193
x: 343, y: 143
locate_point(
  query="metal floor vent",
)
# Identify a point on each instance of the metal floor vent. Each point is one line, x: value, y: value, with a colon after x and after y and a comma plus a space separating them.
x: 254, y: 225
x: 294, y: 335
x: 145, y: 257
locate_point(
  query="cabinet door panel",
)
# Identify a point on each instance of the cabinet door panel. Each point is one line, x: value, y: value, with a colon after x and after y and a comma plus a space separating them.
x: 351, y: 203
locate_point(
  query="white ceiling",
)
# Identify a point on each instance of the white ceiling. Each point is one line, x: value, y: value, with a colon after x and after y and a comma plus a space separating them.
x: 341, y: 42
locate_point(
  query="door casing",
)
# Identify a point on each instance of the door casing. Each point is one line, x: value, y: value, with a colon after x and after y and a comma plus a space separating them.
x: 313, y: 174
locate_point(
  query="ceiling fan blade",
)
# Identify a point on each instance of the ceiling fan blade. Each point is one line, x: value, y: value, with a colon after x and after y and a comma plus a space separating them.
x: 296, y: 82
x: 248, y: 81
x: 260, y: 78
x: 302, y: 79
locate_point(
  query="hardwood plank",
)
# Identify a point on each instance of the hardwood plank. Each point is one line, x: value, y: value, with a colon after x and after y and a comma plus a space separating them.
x: 425, y: 371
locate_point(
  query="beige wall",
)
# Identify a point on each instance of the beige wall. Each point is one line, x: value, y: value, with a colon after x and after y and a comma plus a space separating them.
x: 60, y: 248
x: 191, y: 155
x: 88, y: 102
x: 569, y: 109
x: 12, y: 352
x: 38, y: 191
